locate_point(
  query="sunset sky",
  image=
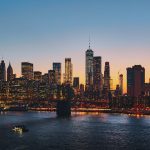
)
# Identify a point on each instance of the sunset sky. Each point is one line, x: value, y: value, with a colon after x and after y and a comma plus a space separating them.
x: 47, y: 31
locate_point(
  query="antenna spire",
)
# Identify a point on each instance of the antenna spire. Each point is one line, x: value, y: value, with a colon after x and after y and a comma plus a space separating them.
x: 89, y: 42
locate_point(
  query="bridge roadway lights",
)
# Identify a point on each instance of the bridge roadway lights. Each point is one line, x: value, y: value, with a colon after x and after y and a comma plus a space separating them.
x: 63, y: 108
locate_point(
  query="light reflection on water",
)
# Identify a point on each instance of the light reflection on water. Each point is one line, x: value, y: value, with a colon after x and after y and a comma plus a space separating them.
x: 81, y: 131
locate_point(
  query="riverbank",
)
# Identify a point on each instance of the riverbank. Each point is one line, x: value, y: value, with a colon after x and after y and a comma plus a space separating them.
x: 95, y: 110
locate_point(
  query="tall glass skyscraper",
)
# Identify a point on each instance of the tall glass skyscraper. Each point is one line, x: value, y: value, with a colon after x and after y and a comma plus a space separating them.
x: 97, y: 73
x: 68, y: 71
x: 89, y: 67
x: 57, y: 69
x: 107, y: 76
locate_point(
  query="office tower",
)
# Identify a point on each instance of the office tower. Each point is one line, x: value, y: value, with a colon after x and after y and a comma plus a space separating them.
x: 121, y: 83
x: 89, y: 67
x: 37, y: 76
x: 2, y: 71
x: 51, y: 77
x: 76, y: 82
x: 10, y: 75
x: 68, y: 71
x: 107, y: 76
x: 135, y: 80
x: 27, y: 70
x: 97, y: 74
x: 57, y: 69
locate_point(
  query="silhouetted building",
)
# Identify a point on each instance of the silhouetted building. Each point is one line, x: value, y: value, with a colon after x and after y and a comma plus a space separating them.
x: 10, y: 75
x: 135, y: 80
x: 81, y: 90
x: 57, y: 69
x: 89, y: 67
x: 117, y: 91
x: 37, y: 76
x: 121, y: 83
x: 27, y: 70
x: 68, y: 71
x: 97, y: 74
x: 76, y: 82
x: 2, y: 71
x: 107, y: 76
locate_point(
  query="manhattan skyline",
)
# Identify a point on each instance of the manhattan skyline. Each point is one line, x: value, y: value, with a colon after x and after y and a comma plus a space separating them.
x: 43, y: 33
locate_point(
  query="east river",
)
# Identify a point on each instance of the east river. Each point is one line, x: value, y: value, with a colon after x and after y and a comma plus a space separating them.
x: 82, y: 131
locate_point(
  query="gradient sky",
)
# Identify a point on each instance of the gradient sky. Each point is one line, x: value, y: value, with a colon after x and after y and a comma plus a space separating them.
x: 44, y: 31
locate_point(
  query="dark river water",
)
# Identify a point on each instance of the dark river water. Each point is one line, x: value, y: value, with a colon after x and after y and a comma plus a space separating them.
x: 80, y: 132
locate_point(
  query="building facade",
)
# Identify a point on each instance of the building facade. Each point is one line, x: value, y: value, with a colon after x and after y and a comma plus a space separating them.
x: 97, y: 74
x: 76, y: 82
x: 57, y: 69
x: 89, y: 67
x: 10, y: 75
x: 135, y: 80
x: 27, y: 70
x: 121, y: 83
x: 37, y: 76
x: 107, y: 76
x: 2, y: 71
x: 51, y: 77
x: 68, y: 71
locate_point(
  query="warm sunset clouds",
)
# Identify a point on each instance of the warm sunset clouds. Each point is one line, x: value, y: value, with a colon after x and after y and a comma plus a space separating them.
x: 43, y: 31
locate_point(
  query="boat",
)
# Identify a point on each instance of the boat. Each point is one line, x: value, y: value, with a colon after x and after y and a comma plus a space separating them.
x: 20, y: 129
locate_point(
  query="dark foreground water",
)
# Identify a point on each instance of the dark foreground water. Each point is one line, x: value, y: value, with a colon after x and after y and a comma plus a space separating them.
x: 81, y: 132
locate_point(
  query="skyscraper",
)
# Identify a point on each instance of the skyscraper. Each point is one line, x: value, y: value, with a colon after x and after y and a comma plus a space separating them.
x: 135, y: 80
x: 89, y: 67
x: 107, y: 76
x: 2, y: 71
x: 97, y: 74
x: 27, y: 70
x: 121, y: 83
x: 76, y: 82
x: 10, y: 75
x: 57, y: 69
x: 68, y: 71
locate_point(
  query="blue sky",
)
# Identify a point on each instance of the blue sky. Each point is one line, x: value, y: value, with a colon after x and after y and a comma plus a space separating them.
x: 43, y: 31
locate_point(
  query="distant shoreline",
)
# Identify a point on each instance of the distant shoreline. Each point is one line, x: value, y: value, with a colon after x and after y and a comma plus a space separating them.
x: 111, y: 111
